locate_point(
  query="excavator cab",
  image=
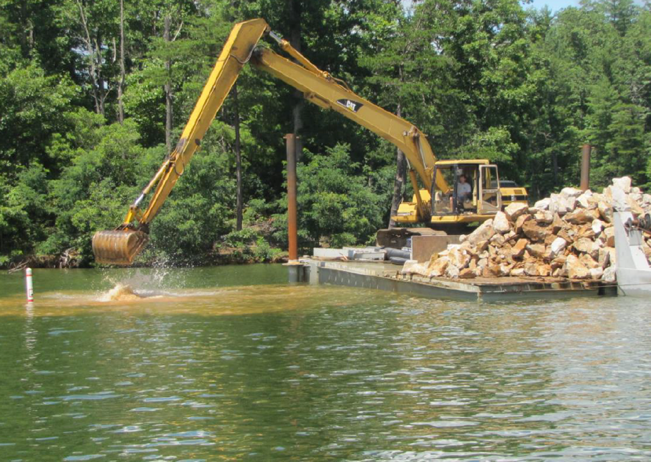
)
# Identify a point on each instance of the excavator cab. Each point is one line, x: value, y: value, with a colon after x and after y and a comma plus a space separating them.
x: 470, y: 197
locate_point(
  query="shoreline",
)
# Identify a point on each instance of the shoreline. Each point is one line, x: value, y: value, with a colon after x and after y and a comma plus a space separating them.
x: 57, y: 262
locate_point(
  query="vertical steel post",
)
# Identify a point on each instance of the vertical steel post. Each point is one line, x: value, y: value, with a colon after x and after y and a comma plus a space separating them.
x: 585, y: 167
x: 291, y: 197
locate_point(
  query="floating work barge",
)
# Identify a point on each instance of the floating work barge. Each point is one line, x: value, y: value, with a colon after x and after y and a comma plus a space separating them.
x: 386, y: 276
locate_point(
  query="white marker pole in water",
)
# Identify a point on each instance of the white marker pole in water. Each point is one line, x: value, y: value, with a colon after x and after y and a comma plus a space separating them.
x: 29, y: 285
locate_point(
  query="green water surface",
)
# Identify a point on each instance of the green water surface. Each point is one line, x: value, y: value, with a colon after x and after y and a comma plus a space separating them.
x: 232, y: 363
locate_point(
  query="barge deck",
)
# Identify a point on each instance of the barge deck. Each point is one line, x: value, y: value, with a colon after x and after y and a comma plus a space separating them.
x: 386, y: 276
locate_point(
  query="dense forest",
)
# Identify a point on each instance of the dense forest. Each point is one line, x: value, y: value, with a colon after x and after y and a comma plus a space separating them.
x: 94, y: 94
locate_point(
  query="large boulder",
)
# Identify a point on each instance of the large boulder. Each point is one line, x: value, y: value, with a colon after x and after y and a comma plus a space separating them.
x: 596, y: 273
x: 609, y: 234
x: 597, y: 227
x: 515, y: 209
x: 562, y: 204
x: 586, y: 200
x: 637, y: 196
x: 619, y: 200
x: 557, y: 224
x: 578, y: 217
x: 536, y: 250
x: 452, y: 272
x: 557, y: 247
x: 497, y: 240
x: 566, y: 234
x: 437, y: 267
x: 531, y: 268
x: 575, y: 269
x: 518, y: 249
x: 623, y: 183
x: 505, y: 269
x: 519, y: 223
x: 605, y: 209
x: 413, y: 267
x: 459, y: 257
x: 588, y: 261
x: 544, y: 217
x: 517, y: 272
x: 558, y: 262
x: 586, y: 231
x: 610, y: 274
x: 533, y: 231
x: 482, y: 234
x: 501, y: 223
x: 583, y: 245
x: 544, y: 270
x: 571, y: 192
x: 634, y: 206
x: 467, y: 273
x: 542, y: 204
x: 607, y: 257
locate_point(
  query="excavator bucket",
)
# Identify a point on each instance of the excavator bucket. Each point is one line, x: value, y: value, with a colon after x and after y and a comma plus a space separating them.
x: 118, y: 247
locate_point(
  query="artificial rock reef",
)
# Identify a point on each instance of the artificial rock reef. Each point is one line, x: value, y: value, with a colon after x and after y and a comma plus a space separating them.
x: 568, y: 235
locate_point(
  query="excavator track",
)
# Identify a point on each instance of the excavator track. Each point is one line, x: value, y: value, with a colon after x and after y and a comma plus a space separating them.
x: 118, y: 247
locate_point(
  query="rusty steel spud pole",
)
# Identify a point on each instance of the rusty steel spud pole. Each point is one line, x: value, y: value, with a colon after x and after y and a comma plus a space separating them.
x: 585, y: 167
x: 291, y: 197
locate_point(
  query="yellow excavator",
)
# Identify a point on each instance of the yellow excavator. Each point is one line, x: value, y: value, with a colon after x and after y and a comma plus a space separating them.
x: 448, y: 208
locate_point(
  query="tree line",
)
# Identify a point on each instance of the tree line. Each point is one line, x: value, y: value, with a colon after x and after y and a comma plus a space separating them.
x: 94, y: 94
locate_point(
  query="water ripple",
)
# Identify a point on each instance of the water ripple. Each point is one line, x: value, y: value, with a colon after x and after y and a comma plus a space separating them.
x: 324, y: 373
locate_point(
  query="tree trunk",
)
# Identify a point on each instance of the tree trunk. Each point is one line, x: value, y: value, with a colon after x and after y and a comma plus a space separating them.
x: 238, y: 160
x: 399, y: 182
x: 102, y: 85
x: 122, y: 70
x: 168, y: 89
x: 95, y: 64
x: 294, y: 20
x: 26, y: 37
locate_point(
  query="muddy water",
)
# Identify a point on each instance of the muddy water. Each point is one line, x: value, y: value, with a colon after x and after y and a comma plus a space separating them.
x: 231, y: 363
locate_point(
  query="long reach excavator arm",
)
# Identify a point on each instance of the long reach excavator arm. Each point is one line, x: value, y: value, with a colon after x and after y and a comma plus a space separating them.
x: 120, y: 246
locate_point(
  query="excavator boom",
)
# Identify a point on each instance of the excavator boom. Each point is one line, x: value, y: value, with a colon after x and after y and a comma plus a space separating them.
x: 120, y: 246
x: 326, y: 93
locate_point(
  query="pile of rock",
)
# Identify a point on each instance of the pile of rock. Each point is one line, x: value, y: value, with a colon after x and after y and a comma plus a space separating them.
x: 566, y: 235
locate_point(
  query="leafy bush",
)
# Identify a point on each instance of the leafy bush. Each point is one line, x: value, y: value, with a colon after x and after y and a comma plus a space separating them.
x: 336, y: 204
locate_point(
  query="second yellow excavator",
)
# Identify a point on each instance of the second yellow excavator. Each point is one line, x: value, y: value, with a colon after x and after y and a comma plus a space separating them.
x: 436, y: 203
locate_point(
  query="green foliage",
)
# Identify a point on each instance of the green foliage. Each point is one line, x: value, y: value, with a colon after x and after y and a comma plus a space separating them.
x: 34, y: 109
x: 337, y: 206
x: 199, y: 210
x: 494, y: 144
x: 93, y: 190
x: 484, y: 79
x: 24, y: 211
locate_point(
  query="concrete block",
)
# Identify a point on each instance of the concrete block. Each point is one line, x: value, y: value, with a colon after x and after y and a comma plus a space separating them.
x: 423, y: 247
x: 321, y: 252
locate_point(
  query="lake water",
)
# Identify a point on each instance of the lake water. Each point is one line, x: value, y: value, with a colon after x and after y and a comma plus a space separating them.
x: 232, y: 363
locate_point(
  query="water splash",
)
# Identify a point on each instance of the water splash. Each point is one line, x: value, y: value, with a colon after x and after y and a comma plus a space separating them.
x: 144, y: 282
x: 120, y: 293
